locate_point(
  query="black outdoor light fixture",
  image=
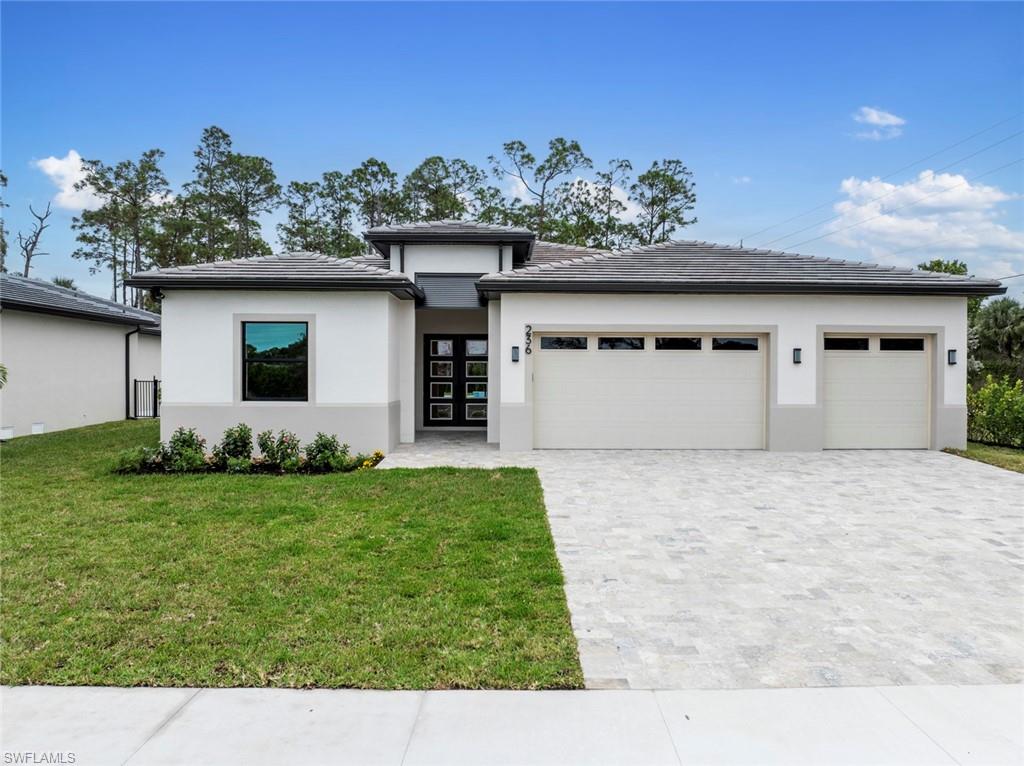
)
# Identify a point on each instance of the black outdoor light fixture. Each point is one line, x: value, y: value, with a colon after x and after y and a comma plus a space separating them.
x: 951, y: 356
x: 796, y: 356
x: 515, y: 353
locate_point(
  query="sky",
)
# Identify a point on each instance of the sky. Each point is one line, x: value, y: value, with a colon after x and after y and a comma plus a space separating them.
x: 881, y: 132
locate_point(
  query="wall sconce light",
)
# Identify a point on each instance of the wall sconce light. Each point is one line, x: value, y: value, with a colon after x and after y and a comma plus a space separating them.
x: 515, y: 353
x: 951, y: 356
x: 796, y: 356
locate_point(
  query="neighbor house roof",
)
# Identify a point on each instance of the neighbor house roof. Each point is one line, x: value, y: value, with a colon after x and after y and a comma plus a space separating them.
x: 289, y: 271
x: 26, y: 294
x: 702, y: 267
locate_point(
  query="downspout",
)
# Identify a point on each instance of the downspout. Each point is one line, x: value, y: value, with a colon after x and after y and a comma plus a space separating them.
x: 128, y: 373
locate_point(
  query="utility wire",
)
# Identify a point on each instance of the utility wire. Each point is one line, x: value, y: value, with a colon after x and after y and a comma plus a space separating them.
x: 888, y: 176
x: 909, y: 204
x: 891, y: 191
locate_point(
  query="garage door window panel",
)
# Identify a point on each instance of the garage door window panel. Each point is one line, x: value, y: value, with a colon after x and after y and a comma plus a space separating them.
x: 846, y: 344
x: 677, y: 344
x: 901, y: 344
x: 563, y: 343
x: 734, y: 344
x: 620, y: 344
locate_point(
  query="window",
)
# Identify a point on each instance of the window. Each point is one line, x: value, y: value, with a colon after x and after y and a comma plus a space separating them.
x: 620, y: 344
x: 677, y: 344
x: 901, y: 344
x: 441, y: 347
x: 440, y: 390
x: 440, y: 412
x: 275, y: 365
x: 440, y: 369
x: 846, y: 344
x: 476, y: 390
x: 734, y: 344
x: 476, y: 412
x: 476, y: 347
x: 564, y: 342
x: 476, y: 369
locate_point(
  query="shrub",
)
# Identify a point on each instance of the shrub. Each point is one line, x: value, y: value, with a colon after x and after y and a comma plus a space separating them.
x: 995, y: 412
x: 325, y: 454
x: 238, y: 465
x: 236, y: 444
x: 281, y: 453
x: 138, y: 460
x: 185, y: 452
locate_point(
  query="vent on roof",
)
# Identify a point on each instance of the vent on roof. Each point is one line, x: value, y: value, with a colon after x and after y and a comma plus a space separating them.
x: 449, y: 291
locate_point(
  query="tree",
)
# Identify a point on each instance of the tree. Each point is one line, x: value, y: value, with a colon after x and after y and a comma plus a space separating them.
x: 180, y: 233
x: 954, y: 267
x: 538, y: 181
x: 1000, y: 327
x: 588, y: 213
x: 29, y: 245
x: 207, y: 201
x: 440, y: 189
x: 117, y: 234
x: 336, y: 205
x: 65, y: 282
x: 373, y: 188
x: 664, y: 193
x: 304, y: 229
x: 250, y: 189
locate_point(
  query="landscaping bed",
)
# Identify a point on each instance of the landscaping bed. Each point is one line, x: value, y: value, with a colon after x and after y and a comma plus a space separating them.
x: 411, y: 579
x: 1010, y: 458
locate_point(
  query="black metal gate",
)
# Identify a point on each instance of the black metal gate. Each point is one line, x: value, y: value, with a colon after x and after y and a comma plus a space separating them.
x: 147, y: 398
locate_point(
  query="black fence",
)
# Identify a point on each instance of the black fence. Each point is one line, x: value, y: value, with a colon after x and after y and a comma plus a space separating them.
x: 147, y: 399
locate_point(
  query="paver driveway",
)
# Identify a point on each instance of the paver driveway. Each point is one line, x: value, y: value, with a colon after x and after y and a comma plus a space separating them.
x: 758, y: 569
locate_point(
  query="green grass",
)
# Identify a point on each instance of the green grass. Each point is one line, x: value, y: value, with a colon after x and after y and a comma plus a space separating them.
x: 1004, y: 457
x: 410, y: 579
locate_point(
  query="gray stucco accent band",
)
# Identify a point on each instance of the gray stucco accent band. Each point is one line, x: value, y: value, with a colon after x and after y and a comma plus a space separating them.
x: 364, y: 427
x: 796, y: 427
x: 516, y: 427
x: 949, y: 426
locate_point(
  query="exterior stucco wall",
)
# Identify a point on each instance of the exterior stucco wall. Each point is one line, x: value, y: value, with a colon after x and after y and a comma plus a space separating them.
x: 454, y: 259
x: 794, y: 398
x: 66, y: 373
x: 355, y: 370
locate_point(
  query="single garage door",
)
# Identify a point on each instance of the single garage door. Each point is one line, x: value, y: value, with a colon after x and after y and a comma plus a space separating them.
x: 877, y: 392
x: 647, y: 391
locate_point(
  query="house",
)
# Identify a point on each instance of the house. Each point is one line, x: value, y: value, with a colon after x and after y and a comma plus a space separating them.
x: 71, y: 357
x: 464, y: 325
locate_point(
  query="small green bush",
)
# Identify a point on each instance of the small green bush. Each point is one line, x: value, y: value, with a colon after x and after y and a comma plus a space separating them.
x: 185, y: 452
x: 325, y: 454
x: 280, y: 453
x: 238, y: 465
x: 995, y: 412
x: 236, y: 444
x: 138, y: 460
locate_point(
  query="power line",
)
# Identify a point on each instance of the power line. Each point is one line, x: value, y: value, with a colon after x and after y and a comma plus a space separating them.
x: 891, y: 191
x: 890, y: 175
x: 909, y: 204
x: 1012, y: 276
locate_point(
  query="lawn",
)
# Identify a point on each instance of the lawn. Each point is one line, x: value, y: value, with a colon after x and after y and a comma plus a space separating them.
x: 1005, y: 457
x: 384, y: 579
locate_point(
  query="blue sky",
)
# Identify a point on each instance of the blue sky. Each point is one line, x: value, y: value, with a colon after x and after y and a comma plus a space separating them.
x: 777, y: 108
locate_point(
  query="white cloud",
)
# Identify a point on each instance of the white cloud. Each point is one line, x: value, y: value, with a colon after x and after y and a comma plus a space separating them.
x: 884, y: 125
x: 741, y: 180
x: 65, y: 172
x: 936, y: 214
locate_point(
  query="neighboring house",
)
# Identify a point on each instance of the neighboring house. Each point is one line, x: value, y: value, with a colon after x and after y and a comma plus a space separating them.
x: 457, y: 324
x: 70, y: 357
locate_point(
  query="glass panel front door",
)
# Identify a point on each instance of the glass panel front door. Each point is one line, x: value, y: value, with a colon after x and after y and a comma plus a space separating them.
x: 455, y: 380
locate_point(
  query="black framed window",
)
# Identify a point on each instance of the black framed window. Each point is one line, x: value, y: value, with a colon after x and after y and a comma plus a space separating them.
x: 275, y: 361
x: 620, y: 344
x: 677, y: 344
x: 554, y: 342
x: 901, y: 344
x: 846, y: 344
x: 734, y: 344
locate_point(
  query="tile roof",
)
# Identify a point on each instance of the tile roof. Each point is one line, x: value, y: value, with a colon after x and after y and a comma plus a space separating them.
x: 686, y: 266
x: 284, y: 271
x: 546, y: 252
x: 27, y: 294
x: 452, y: 227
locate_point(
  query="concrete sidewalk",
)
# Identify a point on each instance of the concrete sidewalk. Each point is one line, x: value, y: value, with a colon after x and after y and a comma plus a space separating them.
x: 881, y: 725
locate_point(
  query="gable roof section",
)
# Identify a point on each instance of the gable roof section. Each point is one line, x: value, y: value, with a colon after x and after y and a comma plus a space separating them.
x: 702, y: 267
x: 26, y: 294
x: 287, y: 271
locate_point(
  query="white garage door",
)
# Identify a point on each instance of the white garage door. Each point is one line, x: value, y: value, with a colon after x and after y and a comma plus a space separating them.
x: 646, y: 391
x: 877, y: 392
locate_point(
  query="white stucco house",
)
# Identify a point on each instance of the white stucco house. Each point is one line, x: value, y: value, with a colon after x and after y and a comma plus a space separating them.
x: 71, y: 357
x: 463, y: 325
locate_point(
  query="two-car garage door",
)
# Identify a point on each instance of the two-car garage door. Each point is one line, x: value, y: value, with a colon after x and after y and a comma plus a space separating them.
x: 649, y: 391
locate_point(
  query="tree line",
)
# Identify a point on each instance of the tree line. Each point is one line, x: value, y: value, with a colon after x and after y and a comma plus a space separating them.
x: 141, y: 222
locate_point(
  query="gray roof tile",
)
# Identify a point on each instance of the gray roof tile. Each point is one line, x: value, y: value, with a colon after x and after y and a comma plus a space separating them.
x: 547, y: 252
x: 29, y: 294
x: 441, y: 228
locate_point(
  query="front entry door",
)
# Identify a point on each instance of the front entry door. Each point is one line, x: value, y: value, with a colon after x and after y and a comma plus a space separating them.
x: 455, y: 380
